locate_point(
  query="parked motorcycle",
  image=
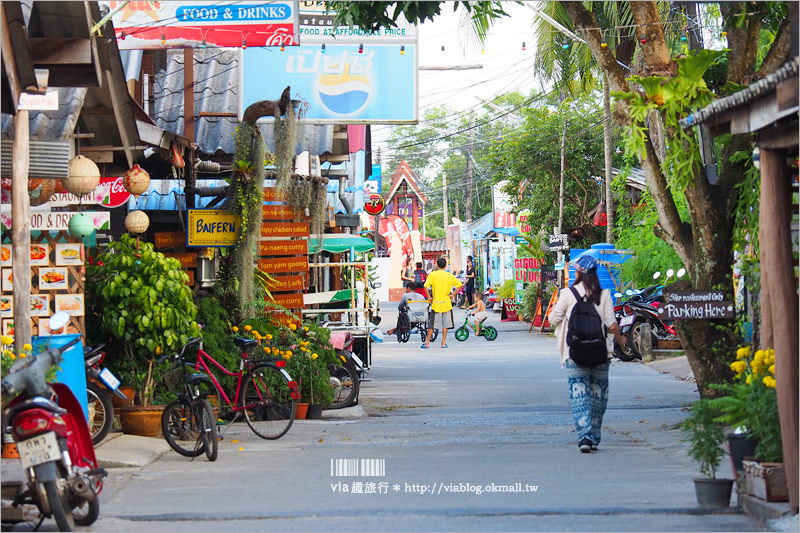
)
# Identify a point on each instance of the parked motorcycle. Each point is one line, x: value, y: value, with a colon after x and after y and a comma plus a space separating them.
x: 98, y: 382
x: 55, y: 447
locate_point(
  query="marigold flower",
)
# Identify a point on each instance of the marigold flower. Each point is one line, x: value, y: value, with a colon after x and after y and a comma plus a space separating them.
x: 292, y: 326
x: 22, y: 356
x: 289, y: 353
x: 269, y: 336
x: 314, y: 356
x: 158, y: 350
x: 769, y: 381
x: 27, y: 347
x: 235, y: 329
x: 748, y: 380
x: 12, y: 356
x: 6, y: 340
x: 738, y: 366
x: 743, y: 353
x: 248, y: 328
x: 287, y: 356
x: 759, y: 357
x: 266, y: 349
x: 305, y: 328
x: 771, y: 369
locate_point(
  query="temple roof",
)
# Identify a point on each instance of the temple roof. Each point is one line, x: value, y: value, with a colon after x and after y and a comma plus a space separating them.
x: 404, y: 173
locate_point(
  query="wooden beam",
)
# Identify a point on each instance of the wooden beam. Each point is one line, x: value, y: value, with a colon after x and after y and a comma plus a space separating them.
x: 217, y: 115
x: 112, y: 148
x: 784, y: 136
x: 342, y: 158
x: 114, y: 90
x: 188, y: 94
x: 48, y: 51
x: 96, y: 111
x: 21, y: 229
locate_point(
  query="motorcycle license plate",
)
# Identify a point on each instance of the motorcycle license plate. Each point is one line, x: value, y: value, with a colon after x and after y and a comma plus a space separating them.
x: 109, y: 379
x: 626, y: 321
x: 39, y: 450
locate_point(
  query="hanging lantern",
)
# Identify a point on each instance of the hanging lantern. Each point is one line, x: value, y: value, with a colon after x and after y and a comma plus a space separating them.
x: 600, y: 218
x: 58, y: 187
x: 137, y: 222
x: 136, y: 181
x: 5, y: 183
x: 81, y: 226
x: 84, y: 176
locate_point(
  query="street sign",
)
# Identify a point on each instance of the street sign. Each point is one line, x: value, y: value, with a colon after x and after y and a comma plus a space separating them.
x: 375, y: 205
x: 559, y: 243
x: 696, y: 305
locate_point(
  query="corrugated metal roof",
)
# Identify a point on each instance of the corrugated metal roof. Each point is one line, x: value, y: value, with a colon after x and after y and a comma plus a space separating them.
x: 167, y: 195
x: 745, y: 96
x: 635, y: 177
x: 216, y: 89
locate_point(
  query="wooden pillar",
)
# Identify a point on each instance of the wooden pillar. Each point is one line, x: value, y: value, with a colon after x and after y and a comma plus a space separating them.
x: 415, y: 213
x: 395, y: 206
x: 188, y: 94
x: 777, y: 264
x: 21, y: 230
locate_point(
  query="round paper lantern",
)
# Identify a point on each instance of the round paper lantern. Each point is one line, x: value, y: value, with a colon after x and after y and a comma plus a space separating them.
x: 136, y: 181
x: 81, y: 225
x: 137, y: 222
x: 84, y: 176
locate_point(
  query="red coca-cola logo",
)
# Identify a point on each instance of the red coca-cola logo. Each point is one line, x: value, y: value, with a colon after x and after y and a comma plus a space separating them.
x: 115, y: 194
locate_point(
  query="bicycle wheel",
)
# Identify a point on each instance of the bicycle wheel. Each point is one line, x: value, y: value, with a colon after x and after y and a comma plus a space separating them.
x: 462, y: 334
x: 489, y: 333
x: 208, y: 426
x: 181, y: 429
x: 346, y: 391
x: 101, y: 409
x: 267, y: 399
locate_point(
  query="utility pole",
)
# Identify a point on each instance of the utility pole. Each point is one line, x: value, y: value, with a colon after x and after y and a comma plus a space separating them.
x: 608, y: 148
x: 458, y: 217
x: 561, y: 188
x: 468, y: 205
x: 444, y: 199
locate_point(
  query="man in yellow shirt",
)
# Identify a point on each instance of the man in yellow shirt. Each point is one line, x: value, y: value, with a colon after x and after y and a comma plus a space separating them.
x: 440, y: 284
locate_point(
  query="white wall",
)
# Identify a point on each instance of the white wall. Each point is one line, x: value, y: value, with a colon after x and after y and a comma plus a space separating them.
x: 383, y: 272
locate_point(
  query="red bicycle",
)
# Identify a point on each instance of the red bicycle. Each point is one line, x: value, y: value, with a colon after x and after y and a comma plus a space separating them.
x: 265, y: 393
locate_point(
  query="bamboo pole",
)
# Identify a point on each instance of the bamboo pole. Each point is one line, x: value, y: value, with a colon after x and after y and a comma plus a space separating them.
x: 21, y: 230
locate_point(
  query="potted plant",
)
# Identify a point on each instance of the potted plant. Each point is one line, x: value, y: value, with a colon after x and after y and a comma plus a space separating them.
x: 750, y: 403
x: 142, y: 309
x: 706, y: 437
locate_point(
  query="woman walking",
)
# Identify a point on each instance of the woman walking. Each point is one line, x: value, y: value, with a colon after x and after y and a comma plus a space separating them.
x: 469, y: 289
x: 588, y: 385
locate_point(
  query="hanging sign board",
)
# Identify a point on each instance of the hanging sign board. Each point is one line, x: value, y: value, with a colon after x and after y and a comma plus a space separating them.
x: 200, y: 24
x: 283, y: 264
x: 187, y: 260
x: 287, y: 283
x: 271, y: 195
x: 212, y: 227
x: 287, y: 247
x: 559, y: 243
x: 284, y: 229
x: 170, y: 239
x: 47, y: 221
x: 375, y: 204
x: 289, y: 301
x: 281, y: 212
x: 39, y: 102
x: 696, y: 305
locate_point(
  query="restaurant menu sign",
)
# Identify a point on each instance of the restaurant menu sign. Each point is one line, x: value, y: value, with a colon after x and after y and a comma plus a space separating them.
x: 212, y: 227
x: 47, y: 221
x: 696, y: 305
x: 559, y: 243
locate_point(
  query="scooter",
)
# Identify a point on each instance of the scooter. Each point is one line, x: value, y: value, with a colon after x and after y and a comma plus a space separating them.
x: 99, y: 381
x: 55, y: 447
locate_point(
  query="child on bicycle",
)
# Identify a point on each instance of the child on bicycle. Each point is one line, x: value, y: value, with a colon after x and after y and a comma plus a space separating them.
x: 479, y: 314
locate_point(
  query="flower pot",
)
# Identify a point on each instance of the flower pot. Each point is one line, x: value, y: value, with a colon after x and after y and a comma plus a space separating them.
x: 314, y: 411
x: 301, y: 411
x: 713, y: 493
x: 740, y: 447
x: 142, y: 421
x: 127, y: 391
x: 766, y: 481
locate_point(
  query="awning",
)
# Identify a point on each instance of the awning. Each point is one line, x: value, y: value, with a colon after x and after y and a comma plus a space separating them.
x: 513, y: 232
x: 337, y: 243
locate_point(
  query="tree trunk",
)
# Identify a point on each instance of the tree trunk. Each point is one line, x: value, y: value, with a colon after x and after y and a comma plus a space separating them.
x: 608, y: 148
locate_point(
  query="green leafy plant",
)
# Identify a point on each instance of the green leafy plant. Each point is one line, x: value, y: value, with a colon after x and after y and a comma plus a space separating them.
x: 706, y: 437
x: 507, y: 289
x: 217, y: 339
x: 530, y: 297
x: 141, y: 308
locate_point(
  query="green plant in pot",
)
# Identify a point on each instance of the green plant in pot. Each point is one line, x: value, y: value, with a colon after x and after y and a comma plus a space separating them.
x: 141, y: 309
x: 707, y: 437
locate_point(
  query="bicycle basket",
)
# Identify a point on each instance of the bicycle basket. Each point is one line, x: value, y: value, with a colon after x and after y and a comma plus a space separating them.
x: 418, y: 312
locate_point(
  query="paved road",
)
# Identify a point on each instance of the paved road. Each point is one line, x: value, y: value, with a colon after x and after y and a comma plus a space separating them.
x: 476, y: 414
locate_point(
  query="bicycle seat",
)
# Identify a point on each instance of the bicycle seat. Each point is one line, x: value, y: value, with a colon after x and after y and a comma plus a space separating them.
x: 197, y: 378
x: 244, y: 343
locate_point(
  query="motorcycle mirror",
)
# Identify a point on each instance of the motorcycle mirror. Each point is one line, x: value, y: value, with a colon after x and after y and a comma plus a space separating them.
x: 629, y: 292
x: 681, y: 272
x: 376, y: 285
x: 59, y: 320
x: 670, y: 273
x: 617, y: 295
x: 657, y: 275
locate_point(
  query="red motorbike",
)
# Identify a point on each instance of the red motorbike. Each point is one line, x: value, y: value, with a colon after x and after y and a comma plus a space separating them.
x: 55, y: 447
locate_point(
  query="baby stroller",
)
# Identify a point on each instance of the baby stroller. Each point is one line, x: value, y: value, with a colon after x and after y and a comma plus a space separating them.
x: 415, y: 318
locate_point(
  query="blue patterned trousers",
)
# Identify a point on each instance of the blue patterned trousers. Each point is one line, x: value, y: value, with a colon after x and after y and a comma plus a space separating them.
x: 588, y: 394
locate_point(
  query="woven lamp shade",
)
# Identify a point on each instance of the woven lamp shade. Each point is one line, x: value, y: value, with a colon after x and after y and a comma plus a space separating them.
x: 84, y: 176
x: 136, y: 181
x: 137, y: 222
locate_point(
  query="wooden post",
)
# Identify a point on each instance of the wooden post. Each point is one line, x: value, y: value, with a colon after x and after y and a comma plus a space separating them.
x: 21, y: 231
x: 188, y: 94
x: 777, y: 263
x: 646, y: 342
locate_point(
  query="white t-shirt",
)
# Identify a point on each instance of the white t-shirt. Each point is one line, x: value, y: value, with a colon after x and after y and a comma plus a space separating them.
x: 559, y: 317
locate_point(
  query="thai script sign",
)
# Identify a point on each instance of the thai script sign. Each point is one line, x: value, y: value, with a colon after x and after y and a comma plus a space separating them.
x: 559, y: 243
x: 284, y: 229
x: 340, y: 84
x: 283, y: 264
x: 47, y: 221
x: 154, y: 25
x: 289, y: 247
x: 212, y: 227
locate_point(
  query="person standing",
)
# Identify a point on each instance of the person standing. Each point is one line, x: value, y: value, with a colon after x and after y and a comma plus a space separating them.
x: 407, y: 274
x: 420, y: 277
x: 588, y: 385
x: 441, y: 285
x: 469, y: 290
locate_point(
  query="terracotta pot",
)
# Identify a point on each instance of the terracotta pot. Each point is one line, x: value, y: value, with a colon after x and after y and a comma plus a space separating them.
x: 127, y: 391
x: 142, y: 421
x: 301, y: 411
x: 314, y: 411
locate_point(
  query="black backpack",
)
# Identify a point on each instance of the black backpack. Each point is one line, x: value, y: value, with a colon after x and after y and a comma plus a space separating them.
x: 420, y: 277
x: 586, y: 333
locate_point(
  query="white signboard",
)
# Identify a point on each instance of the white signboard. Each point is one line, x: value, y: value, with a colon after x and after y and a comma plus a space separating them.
x: 39, y: 102
x: 47, y: 221
x: 316, y: 27
x: 501, y: 202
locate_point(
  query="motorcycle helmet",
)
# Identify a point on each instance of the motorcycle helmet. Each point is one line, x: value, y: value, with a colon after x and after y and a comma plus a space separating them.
x: 585, y: 263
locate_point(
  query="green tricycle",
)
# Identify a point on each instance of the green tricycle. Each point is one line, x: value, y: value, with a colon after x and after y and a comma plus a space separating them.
x: 487, y: 332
